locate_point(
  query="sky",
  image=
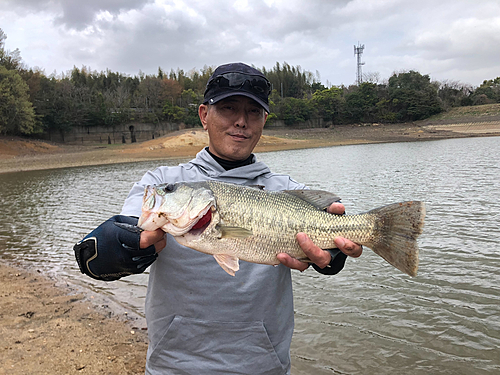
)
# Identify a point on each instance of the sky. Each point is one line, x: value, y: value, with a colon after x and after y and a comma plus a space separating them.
x: 450, y: 40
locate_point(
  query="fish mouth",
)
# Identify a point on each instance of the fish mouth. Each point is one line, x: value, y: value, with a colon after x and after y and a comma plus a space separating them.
x: 199, y: 221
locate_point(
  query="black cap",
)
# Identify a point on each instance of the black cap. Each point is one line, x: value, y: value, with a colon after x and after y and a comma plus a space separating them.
x: 238, y: 79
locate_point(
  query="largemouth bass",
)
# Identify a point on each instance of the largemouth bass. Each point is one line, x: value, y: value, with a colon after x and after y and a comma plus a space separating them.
x: 233, y: 222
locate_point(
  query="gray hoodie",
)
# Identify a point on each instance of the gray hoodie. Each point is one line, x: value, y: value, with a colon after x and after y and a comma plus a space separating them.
x: 202, y: 320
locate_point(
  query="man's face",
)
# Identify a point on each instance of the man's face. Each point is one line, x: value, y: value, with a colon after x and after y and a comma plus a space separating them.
x: 234, y: 126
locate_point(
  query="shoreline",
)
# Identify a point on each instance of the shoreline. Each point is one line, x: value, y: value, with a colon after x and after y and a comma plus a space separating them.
x: 18, y: 155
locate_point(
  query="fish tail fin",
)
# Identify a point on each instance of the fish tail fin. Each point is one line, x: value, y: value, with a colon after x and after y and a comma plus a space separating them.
x: 399, y: 225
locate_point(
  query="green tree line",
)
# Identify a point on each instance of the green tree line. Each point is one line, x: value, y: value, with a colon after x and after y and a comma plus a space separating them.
x: 32, y: 102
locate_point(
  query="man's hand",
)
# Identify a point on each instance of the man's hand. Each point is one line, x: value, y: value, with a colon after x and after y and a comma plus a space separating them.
x: 319, y: 256
x: 154, y: 237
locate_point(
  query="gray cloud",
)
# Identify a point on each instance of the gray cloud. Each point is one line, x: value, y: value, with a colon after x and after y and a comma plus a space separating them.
x: 451, y: 39
x: 77, y: 14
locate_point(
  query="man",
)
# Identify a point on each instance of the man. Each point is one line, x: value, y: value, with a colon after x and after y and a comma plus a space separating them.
x: 200, y: 319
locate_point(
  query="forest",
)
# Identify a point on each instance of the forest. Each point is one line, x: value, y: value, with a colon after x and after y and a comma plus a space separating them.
x: 32, y: 103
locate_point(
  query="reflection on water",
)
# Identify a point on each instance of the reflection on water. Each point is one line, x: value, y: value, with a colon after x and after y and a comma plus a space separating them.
x: 368, y: 319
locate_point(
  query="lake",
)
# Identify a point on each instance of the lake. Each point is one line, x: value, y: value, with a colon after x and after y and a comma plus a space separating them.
x: 368, y: 319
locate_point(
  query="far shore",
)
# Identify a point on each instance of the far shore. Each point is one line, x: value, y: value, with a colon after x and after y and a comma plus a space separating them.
x: 20, y: 154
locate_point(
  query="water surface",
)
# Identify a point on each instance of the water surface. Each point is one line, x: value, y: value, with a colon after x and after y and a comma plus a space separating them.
x: 370, y: 318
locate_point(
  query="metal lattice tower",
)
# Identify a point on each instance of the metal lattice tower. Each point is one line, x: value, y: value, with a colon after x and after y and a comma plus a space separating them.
x: 358, y: 51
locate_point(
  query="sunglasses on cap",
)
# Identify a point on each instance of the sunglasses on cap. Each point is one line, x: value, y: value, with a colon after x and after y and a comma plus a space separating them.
x: 258, y: 84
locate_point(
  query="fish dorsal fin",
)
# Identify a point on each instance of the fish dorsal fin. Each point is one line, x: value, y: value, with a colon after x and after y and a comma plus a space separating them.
x: 234, y: 232
x: 258, y: 187
x: 228, y: 263
x: 318, y: 198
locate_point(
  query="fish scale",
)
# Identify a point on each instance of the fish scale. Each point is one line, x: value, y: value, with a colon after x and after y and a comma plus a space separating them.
x: 268, y: 214
x: 255, y: 225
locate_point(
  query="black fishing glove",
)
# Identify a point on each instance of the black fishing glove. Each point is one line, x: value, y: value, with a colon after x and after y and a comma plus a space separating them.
x: 335, y: 265
x: 112, y: 250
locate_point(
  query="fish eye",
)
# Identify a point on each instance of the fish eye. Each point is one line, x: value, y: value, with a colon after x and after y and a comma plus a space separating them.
x: 170, y: 187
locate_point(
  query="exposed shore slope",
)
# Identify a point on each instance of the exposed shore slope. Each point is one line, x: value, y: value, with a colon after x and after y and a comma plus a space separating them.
x: 19, y: 154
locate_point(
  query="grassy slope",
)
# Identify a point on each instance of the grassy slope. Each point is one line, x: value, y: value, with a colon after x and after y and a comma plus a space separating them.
x: 465, y: 114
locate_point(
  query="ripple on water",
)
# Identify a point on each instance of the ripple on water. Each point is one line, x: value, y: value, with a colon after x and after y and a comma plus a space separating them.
x: 370, y: 318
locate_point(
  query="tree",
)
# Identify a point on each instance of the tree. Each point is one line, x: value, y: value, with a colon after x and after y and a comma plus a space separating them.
x: 413, y: 97
x: 295, y: 110
x: 189, y: 97
x: 328, y: 103
x: 361, y: 103
x: 454, y: 94
x: 67, y: 105
x: 290, y: 81
x: 487, y: 92
x: 171, y: 90
x: 10, y: 60
x: 118, y: 104
x: 173, y: 113
x: 148, y: 98
x: 16, y: 111
x: 3, y: 36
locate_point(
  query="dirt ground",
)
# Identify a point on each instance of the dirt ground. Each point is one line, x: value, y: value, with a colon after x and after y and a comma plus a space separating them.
x: 50, y: 328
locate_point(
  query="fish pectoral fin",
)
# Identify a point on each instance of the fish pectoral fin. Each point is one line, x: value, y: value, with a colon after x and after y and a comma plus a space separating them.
x: 229, y: 263
x: 234, y: 232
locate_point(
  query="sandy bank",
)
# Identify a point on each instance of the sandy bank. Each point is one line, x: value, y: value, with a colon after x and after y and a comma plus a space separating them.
x: 49, y: 328
x: 18, y: 154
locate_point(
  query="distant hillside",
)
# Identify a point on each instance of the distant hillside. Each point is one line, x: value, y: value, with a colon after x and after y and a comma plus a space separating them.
x: 485, y: 112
